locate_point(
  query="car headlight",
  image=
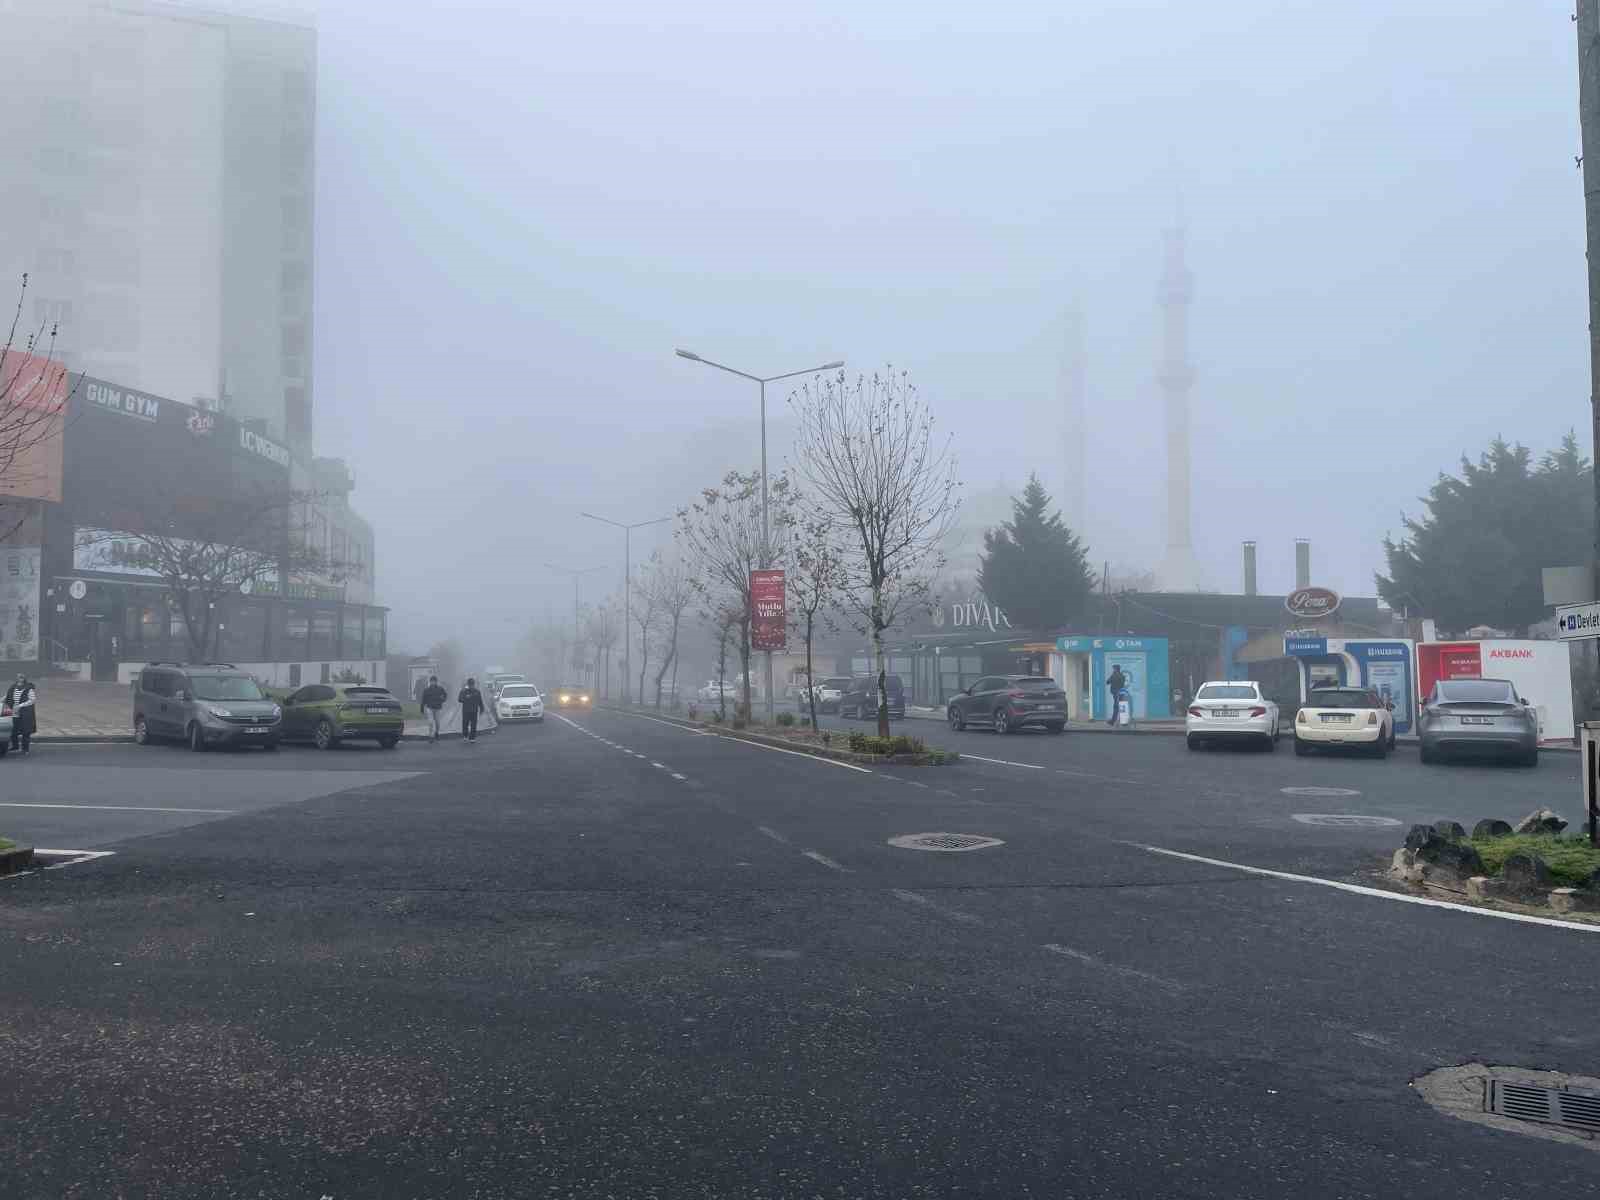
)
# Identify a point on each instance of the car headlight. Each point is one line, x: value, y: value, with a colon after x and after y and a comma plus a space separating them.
x: 564, y: 699
x: 219, y: 712
x: 276, y: 712
x: 583, y: 699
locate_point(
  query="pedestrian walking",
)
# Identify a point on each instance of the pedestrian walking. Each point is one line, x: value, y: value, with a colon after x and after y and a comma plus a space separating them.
x: 20, y: 698
x: 416, y: 694
x: 1115, y: 682
x: 433, y: 698
x: 471, y: 701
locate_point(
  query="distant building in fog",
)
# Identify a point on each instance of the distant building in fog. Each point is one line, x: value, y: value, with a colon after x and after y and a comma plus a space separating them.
x: 159, y: 194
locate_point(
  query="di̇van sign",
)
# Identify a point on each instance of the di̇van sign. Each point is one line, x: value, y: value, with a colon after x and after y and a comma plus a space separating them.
x: 1312, y: 602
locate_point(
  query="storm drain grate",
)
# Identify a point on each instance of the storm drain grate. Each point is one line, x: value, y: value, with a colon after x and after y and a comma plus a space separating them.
x: 944, y: 841
x: 1577, y: 1111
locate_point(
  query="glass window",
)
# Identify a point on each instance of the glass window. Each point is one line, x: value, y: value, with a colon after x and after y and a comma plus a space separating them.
x: 374, y: 636
x: 1342, y: 698
x: 1476, y: 691
x: 296, y: 630
x: 246, y: 635
x: 350, y: 647
x: 225, y: 687
x: 322, y: 633
x: 1236, y: 691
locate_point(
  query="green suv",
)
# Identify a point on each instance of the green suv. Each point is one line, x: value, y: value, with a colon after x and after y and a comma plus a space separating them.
x: 330, y: 713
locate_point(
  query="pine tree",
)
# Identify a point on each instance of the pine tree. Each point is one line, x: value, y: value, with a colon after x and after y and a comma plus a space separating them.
x: 1033, y: 566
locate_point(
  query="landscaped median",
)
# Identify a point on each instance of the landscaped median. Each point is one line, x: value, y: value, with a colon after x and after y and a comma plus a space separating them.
x: 1530, y: 866
x: 861, y: 749
x: 14, y: 858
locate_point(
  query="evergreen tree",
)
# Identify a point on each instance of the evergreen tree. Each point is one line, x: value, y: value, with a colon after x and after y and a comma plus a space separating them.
x: 1033, y: 566
x: 1474, y: 558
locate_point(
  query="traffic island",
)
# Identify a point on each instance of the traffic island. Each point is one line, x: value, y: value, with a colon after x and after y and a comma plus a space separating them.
x: 14, y: 858
x: 1531, y: 866
x: 861, y: 749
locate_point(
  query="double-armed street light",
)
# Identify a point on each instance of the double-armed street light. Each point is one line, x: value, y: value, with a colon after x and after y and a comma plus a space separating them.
x: 766, y: 532
x: 627, y: 584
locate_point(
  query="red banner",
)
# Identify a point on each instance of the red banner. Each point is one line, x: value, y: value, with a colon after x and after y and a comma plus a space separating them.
x: 769, y: 625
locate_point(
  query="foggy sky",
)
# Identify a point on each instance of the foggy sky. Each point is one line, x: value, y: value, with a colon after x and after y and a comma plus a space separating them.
x: 522, y: 210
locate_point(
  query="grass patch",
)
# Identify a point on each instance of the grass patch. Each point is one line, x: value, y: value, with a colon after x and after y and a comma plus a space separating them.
x: 871, y: 743
x: 1571, y: 859
x: 6, y: 844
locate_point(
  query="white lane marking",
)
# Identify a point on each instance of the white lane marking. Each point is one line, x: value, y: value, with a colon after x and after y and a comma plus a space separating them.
x: 954, y: 914
x: 119, y: 808
x: 914, y: 783
x: 825, y: 860
x: 832, y: 762
x: 658, y: 766
x: 1004, y: 762
x: 78, y: 856
x: 1171, y: 985
x: 773, y: 834
x: 675, y: 775
x: 1092, y: 775
x: 1367, y: 891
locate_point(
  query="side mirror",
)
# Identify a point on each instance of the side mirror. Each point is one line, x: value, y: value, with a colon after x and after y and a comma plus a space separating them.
x: 286, y: 701
x: 181, y: 696
x: 1524, y: 702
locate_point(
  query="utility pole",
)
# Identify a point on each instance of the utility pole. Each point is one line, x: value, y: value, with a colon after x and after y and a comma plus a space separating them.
x: 1588, y: 22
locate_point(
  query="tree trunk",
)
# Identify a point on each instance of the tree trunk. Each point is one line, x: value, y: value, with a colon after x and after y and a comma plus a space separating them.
x: 722, y: 671
x: 744, y: 661
x: 644, y: 661
x: 811, y: 675
x: 878, y: 660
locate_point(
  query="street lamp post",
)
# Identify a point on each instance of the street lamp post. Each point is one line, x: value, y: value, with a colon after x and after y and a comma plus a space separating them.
x: 577, y: 574
x: 627, y: 587
x: 766, y: 532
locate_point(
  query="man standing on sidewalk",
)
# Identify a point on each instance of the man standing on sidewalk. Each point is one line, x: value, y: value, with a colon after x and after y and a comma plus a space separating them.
x: 19, y: 698
x: 1114, y: 684
x: 433, y: 698
x: 471, y: 701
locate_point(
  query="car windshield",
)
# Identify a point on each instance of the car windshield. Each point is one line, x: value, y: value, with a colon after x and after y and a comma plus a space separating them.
x: 507, y: 680
x: 225, y: 687
x: 514, y: 690
x: 570, y: 688
x: 1477, y: 691
x: 836, y: 682
x: 1342, y: 698
x: 1226, y: 691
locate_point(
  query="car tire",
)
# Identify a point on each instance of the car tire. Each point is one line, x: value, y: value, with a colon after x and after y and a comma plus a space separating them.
x: 1191, y: 741
x: 1271, y: 743
x: 1301, y: 749
x: 4, y: 748
x: 1429, y: 754
x: 326, y: 739
x: 1002, y: 724
x: 389, y: 743
x: 1056, y: 727
x: 1530, y: 759
x: 957, y: 721
x: 141, y: 731
x: 1381, y: 750
x: 197, y: 740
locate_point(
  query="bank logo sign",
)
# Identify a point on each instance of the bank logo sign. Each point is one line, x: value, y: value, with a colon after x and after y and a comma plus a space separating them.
x: 1577, y: 621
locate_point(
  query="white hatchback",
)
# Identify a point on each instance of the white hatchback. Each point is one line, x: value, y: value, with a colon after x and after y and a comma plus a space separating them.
x: 1232, y: 710
x: 1355, y: 717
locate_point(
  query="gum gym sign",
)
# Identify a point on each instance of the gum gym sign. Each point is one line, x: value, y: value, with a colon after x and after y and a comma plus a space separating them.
x: 971, y: 614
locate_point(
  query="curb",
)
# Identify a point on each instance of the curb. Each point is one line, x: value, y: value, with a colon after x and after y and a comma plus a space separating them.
x: 782, y: 743
x: 18, y: 858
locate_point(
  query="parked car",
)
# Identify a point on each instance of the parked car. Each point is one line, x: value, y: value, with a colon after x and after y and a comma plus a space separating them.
x: 1478, y: 716
x: 570, y: 695
x: 500, y: 679
x: 717, y: 689
x: 329, y: 713
x: 1007, y: 703
x: 1231, y: 710
x: 859, y: 699
x: 1356, y: 717
x: 205, y: 705
x: 828, y: 692
x: 518, y: 702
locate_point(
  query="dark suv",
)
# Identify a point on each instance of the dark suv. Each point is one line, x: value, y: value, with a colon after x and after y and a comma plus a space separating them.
x: 859, y: 699
x: 1005, y: 703
x: 205, y: 705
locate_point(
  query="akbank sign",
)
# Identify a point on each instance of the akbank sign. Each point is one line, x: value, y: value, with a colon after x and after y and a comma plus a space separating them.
x: 971, y: 614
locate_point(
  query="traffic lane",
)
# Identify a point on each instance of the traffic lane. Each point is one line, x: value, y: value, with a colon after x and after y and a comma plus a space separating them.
x: 81, y: 801
x: 801, y: 1042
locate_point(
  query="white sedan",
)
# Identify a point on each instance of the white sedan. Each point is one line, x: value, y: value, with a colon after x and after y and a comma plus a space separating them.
x: 519, y: 702
x: 715, y: 690
x: 1232, y: 710
x: 1356, y: 717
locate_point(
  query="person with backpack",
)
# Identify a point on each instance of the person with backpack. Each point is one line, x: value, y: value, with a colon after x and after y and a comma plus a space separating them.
x: 1115, y: 682
x: 19, y: 699
x: 433, y: 698
x: 471, y: 701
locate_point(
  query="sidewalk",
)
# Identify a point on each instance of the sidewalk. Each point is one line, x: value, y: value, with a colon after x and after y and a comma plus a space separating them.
x: 1163, y: 725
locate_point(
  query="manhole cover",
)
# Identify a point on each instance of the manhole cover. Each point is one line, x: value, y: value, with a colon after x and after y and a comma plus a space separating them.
x: 944, y: 841
x: 1343, y: 819
x: 1319, y: 791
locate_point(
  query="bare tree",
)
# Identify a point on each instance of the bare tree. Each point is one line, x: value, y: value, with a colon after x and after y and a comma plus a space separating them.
x: 601, y: 628
x: 721, y: 535
x: 885, y: 488
x: 814, y: 582
x: 674, y: 592
x: 726, y: 618
x: 646, y: 611
x: 34, y: 391
x: 205, y: 550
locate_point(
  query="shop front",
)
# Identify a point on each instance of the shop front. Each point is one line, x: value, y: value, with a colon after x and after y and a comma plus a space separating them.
x: 1387, y: 665
x: 1541, y: 672
x: 1082, y: 664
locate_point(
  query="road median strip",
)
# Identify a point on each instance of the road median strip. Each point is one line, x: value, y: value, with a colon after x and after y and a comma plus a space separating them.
x: 795, y: 745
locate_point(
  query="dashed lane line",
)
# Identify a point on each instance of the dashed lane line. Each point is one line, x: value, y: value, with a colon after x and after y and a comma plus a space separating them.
x: 1100, y: 964
x: 773, y: 834
x: 1004, y: 762
x: 955, y: 914
x: 814, y: 856
x: 124, y: 808
x: 755, y: 745
x: 1378, y: 893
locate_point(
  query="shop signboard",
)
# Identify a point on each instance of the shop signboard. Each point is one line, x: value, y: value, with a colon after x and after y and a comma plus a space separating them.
x: 19, y: 603
x: 1311, y: 603
x: 769, y: 623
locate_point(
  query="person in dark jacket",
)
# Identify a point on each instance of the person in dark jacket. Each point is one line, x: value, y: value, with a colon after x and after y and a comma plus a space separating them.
x: 433, y: 698
x: 471, y: 701
x: 20, y: 698
x: 1115, y: 683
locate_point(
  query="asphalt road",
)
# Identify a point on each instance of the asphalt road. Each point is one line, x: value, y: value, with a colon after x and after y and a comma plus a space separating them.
x: 612, y: 957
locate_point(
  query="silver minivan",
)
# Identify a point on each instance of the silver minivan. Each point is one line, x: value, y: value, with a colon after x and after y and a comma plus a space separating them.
x: 205, y: 705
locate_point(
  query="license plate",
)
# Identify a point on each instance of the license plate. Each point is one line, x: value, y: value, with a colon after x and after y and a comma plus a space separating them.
x: 1337, y: 718
x: 377, y: 710
x: 1477, y: 720
x: 1224, y: 712
x: 257, y: 729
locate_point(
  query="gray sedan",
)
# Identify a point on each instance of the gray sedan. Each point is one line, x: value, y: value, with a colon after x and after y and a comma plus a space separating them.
x: 1478, y: 715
